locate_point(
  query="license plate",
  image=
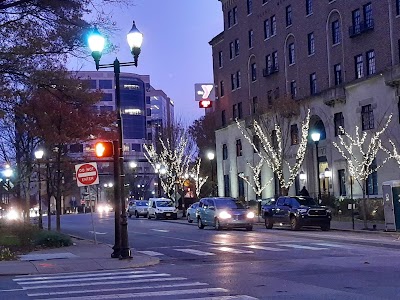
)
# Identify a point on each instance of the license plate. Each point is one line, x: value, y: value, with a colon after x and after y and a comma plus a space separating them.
x: 167, y: 215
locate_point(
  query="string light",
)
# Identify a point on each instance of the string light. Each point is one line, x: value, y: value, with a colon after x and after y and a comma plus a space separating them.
x: 256, y: 184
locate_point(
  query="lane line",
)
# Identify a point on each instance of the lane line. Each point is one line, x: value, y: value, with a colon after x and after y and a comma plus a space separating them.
x: 233, y: 250
x: 301, y: 247
x: 150, y: 253
x: 258, y: 247
x: 195, y: 252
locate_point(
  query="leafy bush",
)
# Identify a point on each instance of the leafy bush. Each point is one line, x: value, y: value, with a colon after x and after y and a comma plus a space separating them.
x: 6, y: 254
x: 51, y: 239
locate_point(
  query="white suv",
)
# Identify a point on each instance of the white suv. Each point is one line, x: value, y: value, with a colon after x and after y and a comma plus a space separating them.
x: 138, y: 208
x: 162, y: 208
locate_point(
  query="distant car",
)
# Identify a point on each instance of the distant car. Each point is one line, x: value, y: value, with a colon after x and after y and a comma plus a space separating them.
x: 191, y: 212
x: 104, y: 207
x: 224, y: 212
x: 138, y: 208
x: 162, y: 208
x: 296, y: 211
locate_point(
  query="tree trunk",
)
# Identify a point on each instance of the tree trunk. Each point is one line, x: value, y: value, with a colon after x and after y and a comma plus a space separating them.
x: 365, y: 204
x: 284, y: 191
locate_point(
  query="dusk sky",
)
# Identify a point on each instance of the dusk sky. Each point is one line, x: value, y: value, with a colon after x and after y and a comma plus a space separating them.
x: 175, y: 51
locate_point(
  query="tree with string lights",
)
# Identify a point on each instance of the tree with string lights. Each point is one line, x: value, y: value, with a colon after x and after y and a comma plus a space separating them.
x: 256, y: 184
x: 360, y: 152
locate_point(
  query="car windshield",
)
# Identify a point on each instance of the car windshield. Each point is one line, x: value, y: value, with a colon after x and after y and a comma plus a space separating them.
x: 165, y: 203
x: 141, y: 203
x: 306, y: 201
x: 229, y: 203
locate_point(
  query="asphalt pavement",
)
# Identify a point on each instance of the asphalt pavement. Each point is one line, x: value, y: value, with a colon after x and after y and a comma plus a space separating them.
x: 85, y: 255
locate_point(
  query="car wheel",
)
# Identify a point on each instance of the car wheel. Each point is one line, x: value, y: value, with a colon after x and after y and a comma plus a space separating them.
x: 249, y: 228
x: 136, y: 214
x: 189, y: 219
x: 269, y: 223
x: 294, y: 223
x: 326, y: 227
x: 129, y: 215
x: 217, y: 225
x: 148, y: 216
x: 200, y: 224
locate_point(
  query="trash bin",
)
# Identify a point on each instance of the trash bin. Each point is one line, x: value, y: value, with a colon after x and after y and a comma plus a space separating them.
x: 391, y: 204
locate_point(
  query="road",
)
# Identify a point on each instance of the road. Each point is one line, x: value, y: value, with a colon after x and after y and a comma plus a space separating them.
x: 262, y: 264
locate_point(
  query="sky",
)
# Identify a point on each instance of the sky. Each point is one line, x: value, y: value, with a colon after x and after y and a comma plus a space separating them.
x: 175, y: 51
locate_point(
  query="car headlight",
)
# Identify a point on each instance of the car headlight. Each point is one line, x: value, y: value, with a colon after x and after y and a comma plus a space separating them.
x: 250, y: 215
x: 224, y: 215
x: 302, y: 210
x: 12, y: 215
x: 328, y: 211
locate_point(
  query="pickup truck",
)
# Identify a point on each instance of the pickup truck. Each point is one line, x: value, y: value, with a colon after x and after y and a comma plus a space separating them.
x: 296, y: 211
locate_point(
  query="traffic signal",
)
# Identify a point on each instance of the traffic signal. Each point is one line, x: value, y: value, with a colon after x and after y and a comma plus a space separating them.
x: 205, y: 104
x: 104, y: 149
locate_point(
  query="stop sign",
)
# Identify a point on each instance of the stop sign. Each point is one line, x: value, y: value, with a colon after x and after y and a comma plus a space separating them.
x: 86, y: 174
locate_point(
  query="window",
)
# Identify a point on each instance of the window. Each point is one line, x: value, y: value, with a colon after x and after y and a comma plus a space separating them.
x: 106, y: 108
x: 220, y: 59
x: 136, y: 147
x: 313, y: 83
x: 238, y: 147
x: 235, y: 15
x: 231, y: 50
x: 371, y: 68
x: 291, y: 53
x: 105, y: 84
x: 273, y: 25
x: 250, y: 36
x: 234, y: 111
x: 275, y: 60
x: 276, y: 93
x: 269, y: 97
x: 221, y: 88
x: 249, y: 6
x: 238, y: 80
x: 397, y: 7
x: 372, y: 180
x: 255, y: 105
x: 288, y: 15
x: 91, y: 84
x: 294, y: 134
x: 338, y: 120
x: 335, y: 32
x: 240, y: 110
x: 309, y: 7
x: 230, y: 19
x: 356, y: 18
x: 358, y: 59
x: 368, y: 19
x: 367, y: 117
x: 223, y: 118
x: 342, y: 182
x: 224, y: 152
x: 236, y: 47
x: 240, y: 186
x: 311, y: 43
x: 338, y: 74
x: 107, y: 97
x: 233, y: 82
x: 226, y: 186
x: 253, y: 72
x: 76, y: 148
x: 267, y: 29
x: 293, y: 88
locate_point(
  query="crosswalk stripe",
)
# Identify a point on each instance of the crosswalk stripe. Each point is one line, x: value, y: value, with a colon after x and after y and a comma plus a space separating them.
x: 195, y: 252
x: 148, y: 294
x: 120, y: 289
x: 301, y: 247
x: 109, y: 282
x: 151, y: 253
x: 258, y: 247
x: 82, y: 275
x: 92, y: 279
x: 238, y: 297
x: 232, y: 250
x: 331, y: 245
x: 82, y: 272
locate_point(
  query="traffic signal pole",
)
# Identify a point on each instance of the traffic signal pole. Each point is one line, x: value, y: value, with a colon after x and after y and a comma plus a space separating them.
x: 117, y: 207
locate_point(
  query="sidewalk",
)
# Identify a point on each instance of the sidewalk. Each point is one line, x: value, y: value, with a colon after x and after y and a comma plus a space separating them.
x: 83, y: 256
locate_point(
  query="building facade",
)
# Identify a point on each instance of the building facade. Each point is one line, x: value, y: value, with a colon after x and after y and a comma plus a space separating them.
x: 338, y: 58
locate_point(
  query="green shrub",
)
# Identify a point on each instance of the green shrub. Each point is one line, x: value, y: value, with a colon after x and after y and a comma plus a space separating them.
x: 6, y: 254
x: 51, y: 239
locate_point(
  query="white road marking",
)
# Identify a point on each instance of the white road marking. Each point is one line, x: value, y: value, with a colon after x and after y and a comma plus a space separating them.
x: 301, y: 247
x: 232, y: 250
x: 160, y: 230
x: 258, y: 247
x: 151, y: 253
x: 149, y: 294
x: 91, y: 231
x: 195, y: 252
x: 120, y: 289
x: 331, y: 245
x: 238, y: 297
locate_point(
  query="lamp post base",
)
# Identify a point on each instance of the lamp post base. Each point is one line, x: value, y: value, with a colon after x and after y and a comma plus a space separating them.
x: 125, y: 253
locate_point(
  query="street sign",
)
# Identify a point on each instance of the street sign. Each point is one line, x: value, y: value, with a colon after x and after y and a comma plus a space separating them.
x: 86, y: 174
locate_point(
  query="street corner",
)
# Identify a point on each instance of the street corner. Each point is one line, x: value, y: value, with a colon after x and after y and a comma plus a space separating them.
x: 138, y: 260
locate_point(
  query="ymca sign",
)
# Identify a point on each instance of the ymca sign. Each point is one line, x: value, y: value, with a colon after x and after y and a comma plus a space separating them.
x: 86, y: 174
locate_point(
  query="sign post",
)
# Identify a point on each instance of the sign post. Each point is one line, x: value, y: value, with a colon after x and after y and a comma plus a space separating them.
x: 86, y: 175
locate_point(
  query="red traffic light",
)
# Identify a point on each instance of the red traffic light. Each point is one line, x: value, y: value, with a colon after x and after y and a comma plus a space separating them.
x: 104, y: 149
x: 205, y: 104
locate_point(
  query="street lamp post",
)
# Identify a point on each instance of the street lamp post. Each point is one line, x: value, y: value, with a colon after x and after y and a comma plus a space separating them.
x: 315, y: 136
x: 96, y: 43
x: 211, y: 156
x: 8, y: 172
x: 39, y: 155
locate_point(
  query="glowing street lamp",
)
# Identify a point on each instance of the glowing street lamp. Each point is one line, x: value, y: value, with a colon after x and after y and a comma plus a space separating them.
x: 39, y: 155
x: 315, y: 136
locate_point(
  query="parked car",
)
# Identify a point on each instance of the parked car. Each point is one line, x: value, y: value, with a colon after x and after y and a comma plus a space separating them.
x: 138, y: 208
x: 191, y: 212
x: 296, y: 211
x: 162, y: 208
x: 224, y: 212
